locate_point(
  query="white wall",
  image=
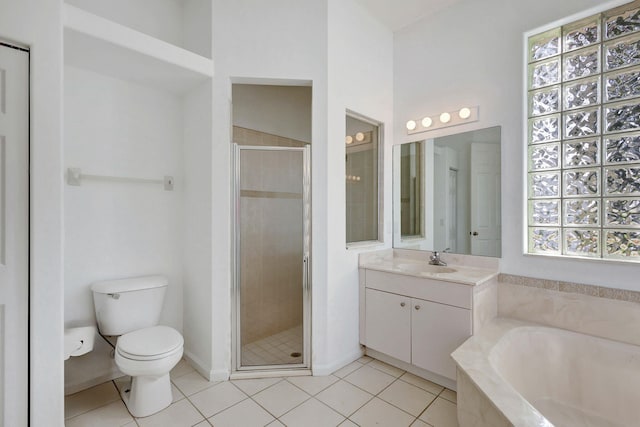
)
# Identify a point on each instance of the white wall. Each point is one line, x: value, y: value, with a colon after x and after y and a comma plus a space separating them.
x: 197, y: 228
x: 37, y: 23
x: 276, y: 110
x: 360, y: 67
x: 304, y: 41
x: 196, y: 26
x: 455, y: 59
x: 277, y: 40
x: 120, y: 229
x: 184, y: 23
x: 156, y: 18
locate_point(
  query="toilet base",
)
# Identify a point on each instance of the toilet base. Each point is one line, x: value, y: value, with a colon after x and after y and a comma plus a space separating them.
x: 147, y: 395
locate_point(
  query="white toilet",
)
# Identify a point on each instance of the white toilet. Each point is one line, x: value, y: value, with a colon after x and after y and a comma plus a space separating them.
x: 130, y: 309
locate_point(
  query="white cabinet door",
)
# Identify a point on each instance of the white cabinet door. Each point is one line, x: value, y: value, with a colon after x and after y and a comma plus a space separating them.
x: 437, y: 330
x: 14, y: 235
x: 388, y: 324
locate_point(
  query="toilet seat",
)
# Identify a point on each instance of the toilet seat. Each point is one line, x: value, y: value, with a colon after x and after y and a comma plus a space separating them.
x: 156, y: 342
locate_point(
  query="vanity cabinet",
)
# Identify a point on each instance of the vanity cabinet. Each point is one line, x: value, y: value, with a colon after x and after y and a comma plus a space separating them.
x: 436, y: 331
x: 416, y: 321
x: 388, y: 318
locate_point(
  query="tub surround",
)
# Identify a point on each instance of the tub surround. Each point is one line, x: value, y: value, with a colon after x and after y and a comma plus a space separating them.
x: 484, y: 398
x: 579, y: 320
x: 602, y: 389
x: 594, y: 310
x: 570, y: 287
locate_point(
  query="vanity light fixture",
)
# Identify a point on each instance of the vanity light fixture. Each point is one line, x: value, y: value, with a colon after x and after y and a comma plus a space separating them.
x: 464, y: 113
x: 360, y: 137
x: 445, y: 119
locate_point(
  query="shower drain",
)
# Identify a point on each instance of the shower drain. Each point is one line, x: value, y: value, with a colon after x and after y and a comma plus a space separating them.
x: 295, y: 354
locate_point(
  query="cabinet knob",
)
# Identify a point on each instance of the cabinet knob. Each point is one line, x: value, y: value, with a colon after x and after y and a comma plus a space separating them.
x: 417, y: 307
x: 402, y: 304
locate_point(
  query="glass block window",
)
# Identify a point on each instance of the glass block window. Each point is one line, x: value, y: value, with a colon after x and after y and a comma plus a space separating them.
x: 583, y: 137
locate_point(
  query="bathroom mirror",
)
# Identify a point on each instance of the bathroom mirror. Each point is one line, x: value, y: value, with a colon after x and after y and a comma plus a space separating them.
x: 446, y: 194
x: 362, y: 163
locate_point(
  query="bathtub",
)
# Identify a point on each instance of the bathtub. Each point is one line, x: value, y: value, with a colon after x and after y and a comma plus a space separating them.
x: 519, y: 374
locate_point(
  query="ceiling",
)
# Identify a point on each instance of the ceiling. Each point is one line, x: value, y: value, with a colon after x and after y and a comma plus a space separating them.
x: 397, y: 14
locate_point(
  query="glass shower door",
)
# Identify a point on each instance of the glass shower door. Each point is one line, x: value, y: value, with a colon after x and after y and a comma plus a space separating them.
x: 272, y: 257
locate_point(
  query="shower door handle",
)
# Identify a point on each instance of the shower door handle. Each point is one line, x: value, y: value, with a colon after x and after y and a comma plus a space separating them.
x: 305, y: 272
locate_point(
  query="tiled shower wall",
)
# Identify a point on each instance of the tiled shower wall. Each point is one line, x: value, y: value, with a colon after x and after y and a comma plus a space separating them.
x: 244, y: 136
x: 271, y: 244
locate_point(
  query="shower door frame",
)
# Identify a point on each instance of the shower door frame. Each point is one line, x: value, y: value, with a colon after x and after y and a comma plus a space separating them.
x: 236, y: 338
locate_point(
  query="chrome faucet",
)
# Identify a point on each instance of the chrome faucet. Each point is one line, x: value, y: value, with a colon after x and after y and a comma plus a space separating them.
x: 434, y: 259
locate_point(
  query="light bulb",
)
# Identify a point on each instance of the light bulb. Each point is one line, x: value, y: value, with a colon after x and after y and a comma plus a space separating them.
x: 464, y: 113
x: 426, y: 122
x: 348, y: 139
x: 359, y: 136
x: 411, y: 125
x: 445, y: 117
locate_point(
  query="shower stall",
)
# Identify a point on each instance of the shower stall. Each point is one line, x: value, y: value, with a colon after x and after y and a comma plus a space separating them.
x: 272, y: 214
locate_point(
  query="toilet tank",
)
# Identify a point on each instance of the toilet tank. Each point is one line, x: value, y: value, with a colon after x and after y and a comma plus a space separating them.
x: 125, y: 305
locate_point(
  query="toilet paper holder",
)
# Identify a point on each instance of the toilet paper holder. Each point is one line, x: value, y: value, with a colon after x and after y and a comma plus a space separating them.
x: 78, y: 341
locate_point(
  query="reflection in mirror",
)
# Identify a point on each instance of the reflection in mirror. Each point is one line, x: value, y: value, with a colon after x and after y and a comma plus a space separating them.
x: 362, y: 157
x: 447, y: 194
x: 411, y: 205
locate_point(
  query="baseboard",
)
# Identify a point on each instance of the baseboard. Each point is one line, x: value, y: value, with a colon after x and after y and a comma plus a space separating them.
x: 328, y: 369
x: 204, y: 370
x: 219, y: 375
x: 423, y: 373
x: 83, y: 385
x: 91, y: 369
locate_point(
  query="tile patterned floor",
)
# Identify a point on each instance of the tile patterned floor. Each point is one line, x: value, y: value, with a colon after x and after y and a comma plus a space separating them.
x: 365, y: 393
x: 275, y: 349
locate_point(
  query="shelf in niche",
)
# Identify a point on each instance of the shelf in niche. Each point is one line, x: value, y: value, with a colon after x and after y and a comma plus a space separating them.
x: 97, y: 44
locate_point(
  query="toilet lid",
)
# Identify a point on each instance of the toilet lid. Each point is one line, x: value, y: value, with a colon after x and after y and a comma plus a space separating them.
x: 149, y: 343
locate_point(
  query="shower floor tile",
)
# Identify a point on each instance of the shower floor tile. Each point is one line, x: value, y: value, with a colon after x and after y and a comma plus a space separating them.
x: 283, y: 348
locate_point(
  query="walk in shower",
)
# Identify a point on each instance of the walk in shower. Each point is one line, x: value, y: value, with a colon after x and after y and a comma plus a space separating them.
x: 272, y: 264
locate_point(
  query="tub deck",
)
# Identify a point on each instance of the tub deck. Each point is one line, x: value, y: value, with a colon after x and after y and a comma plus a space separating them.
x: 515, y: 373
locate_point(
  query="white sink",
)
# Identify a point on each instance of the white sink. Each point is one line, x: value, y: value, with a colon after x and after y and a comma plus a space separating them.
x: 425, y: 268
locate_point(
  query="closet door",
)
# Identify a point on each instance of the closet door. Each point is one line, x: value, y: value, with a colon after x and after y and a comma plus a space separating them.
x: 14, y: 235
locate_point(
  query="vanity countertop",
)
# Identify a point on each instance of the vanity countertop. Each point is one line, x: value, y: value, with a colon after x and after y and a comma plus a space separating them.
x: 466, y: 275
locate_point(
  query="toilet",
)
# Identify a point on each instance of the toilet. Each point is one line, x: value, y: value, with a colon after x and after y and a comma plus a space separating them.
x: 130, y: 309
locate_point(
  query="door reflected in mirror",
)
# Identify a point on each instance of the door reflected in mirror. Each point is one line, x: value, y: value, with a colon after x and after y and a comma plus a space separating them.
x: 447, y: 194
